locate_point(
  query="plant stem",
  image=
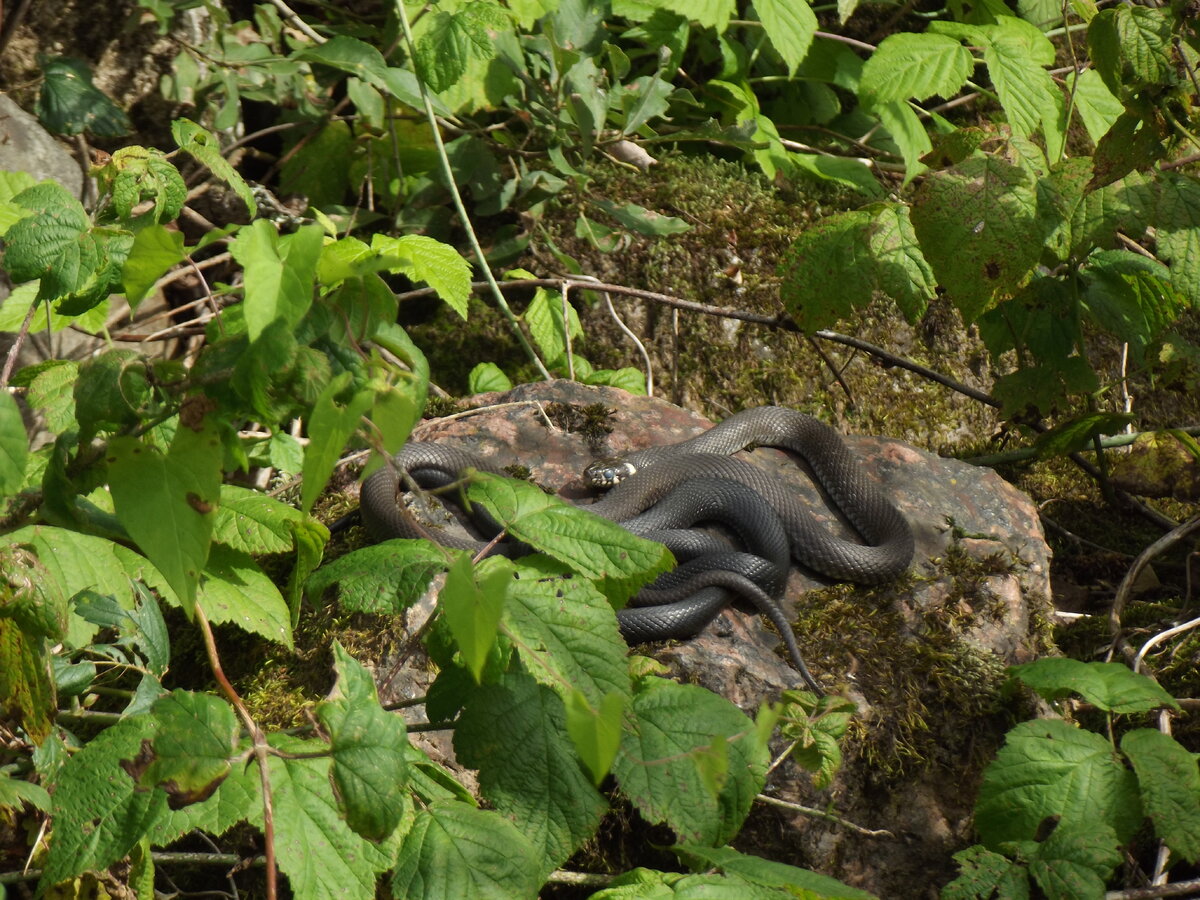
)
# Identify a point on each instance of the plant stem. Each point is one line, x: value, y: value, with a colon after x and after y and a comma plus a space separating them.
x: 459, y: 206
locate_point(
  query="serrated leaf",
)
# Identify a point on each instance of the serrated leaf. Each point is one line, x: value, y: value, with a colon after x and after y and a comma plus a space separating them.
x: 385, y: 578
x: 424, y: 259
x: 14, y: 446
x: 254, y: 522
x: 659, y: 765
x: 69, y: 103
x: 1170, y: 787
x: 986, y: 874
x: 917, y: 66
x: 322, y: 858
x: 14, y: 793
x: 26, y: 682
x: 136, y: 174
x: 54, y: 243
x: 206, y: 149
x: 457, y: 852
x: 112, y: 391
x: 99, y: 812
x: 1025, y: 89
x: 544, y: 316
x: 766, y: 872
x: 1049, y: 768
x: 1098, y: 109
x: 332, y: 422
x: 370, y: 765
x: 485, y: 377
x: 278, y: 272
x: 234, y: 801
x: 790, y: 26
x: 565, y: 632
x: 1074, y: 861
x: 1178, y: 227
x: 472, y: 600
x: 448, y: 43
x: 596, y: 548
x: 235, y: 590
x: 194, y: 740
x: 165, y: 501
x: 1110, y: 686
x: 977, y: 227
x: 1132, y: 297
x: 514, y: 732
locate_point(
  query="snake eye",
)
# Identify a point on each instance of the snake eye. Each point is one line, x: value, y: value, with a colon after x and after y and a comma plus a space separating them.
x: 605, y: 473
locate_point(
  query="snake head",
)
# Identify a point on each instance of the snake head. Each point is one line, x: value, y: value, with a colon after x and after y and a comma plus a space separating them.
x: 606, y: 473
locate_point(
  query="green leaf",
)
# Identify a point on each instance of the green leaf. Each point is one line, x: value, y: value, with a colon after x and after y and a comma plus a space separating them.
x: 790, y: 26
x: 318, y: 170
x: 851, y: 173
x: 457, y: 852
x: 112, y: 391
x: 846, y: 259
x: 595, y: 733
x: 234, y: 801
x: 370, y: 765
x: 99, y: 812
x: 1131, y: 48
x: 235, y: 590
x: 14, y: 446
x: 908, y: 133
x: 1110, y: 686
x: 1177, y: 220
x: 165, y: 502
x: 1077, y: 433
x: 1025, y: 89
x: 136, y: 174
x: 594, y: 547
x: 514, y: 732
x: 1074, y: 861
x: 976, y: 223
x: 15, y: 793
x: 643, y: 221
x: 1132, y: 297
x: 385, y: 578
x: 472, y: 601
x: 330, y: 427
x: 1050, y: 768
x: 322, y: 858
x: 544, y: 316
x: 627, y: 379
x: 69, y: 103
x: 278, y: 273
x: 194, y: 741
x: 155, y: 250
x: 986, y: 874
x: 565, y: 632
x: 206, y: 149
x: 422, y: 258
x: 918, y: 66
x: 766, y: 872
x: 55, y: 244
x: 1098, y: 109
x: 26, y: 681
x: 661, y: 763
x: 1170, y: 786
x: 253, y: 522
x: 485, y: 377
x: 448, y: 42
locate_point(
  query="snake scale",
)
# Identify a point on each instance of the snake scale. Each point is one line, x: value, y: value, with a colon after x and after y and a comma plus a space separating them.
x: 642, y: 478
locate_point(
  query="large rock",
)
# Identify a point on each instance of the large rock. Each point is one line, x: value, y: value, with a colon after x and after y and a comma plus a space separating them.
x: 922, y: 659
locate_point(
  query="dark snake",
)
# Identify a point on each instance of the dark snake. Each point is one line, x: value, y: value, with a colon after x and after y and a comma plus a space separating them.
x: 642, y: 478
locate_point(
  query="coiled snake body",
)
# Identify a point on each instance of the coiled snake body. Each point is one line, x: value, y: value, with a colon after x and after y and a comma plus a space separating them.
x: 643, y: 478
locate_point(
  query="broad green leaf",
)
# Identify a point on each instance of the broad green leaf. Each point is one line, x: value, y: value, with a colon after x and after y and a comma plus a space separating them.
x: 851, y: 173
x: 790, y: 26
x: 111, y: 392
x: 976, y: 223
x: 370, y: 767
x: 917, y: 66
x: 26, y: 681
x: 234, y: 801
x: 627, y: 379
x: 165, y: 501
x: 99, y: 812
x: 986, y: 874
x: 1170, y: 785
x: 235, y: 590
x: 14, y: 446
x: 1074, y: 861
x: 660, y: 765
x: 69, y: 103
x: 1110, y: 686
x: 322, y: 858
x: 644, y: 99
x: 14, y: 793
x: 1132, y: 144
x: 1025, y: 89
x: 596, y: 548
x: 335, y: 417
x: 1098, y: 109
x: 1177, y: 220
x: 650, y: 884
x: 907, y: 132
x: 485, y: 377
x: 565, y: 632
x: 253, y: 522
x: 351, y: 55
x: 1132, y: 297
x: 448, y: 42
x: 55, y: 244
x: 385, y: 578
x: 206, y: 149
x: 1077, y: 433
x: 278, y: 273
x: 457, y: 852
x: 32, y: 599
x: 1038, y: 389
x: 472, y: 601
x: 1050, y: 768
x: 195, y: 738
x: 1130, y: 47
x: 544, y: 316
x: 595, y: 733
x: 514, y: 733
x: 136, y: 174
x: 766, y: 872
x: 644, y: 221
x: 422, y: 258
x: 155, y: 250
